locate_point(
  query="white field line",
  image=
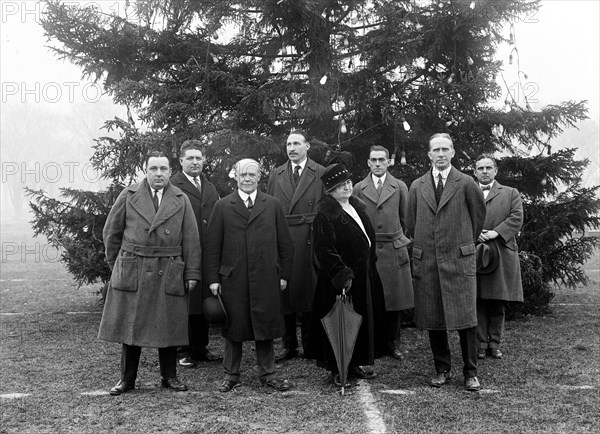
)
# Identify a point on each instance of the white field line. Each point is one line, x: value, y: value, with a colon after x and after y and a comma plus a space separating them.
x: 375, y: 422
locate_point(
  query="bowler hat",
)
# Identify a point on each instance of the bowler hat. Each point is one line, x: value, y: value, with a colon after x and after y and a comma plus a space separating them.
x: 214, y: 310
x: 487, y: 257
x: 334, y: 175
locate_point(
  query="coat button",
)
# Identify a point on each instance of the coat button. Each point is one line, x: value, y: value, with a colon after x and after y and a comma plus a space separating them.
x: 310, y: 203
x: 167, y: 231
x: 308, y: 242
x: 160, y: 272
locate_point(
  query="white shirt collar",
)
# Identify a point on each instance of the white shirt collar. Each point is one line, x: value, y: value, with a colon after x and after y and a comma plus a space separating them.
x: 444, y: 172
x: 377, y: 178
x: 245, y: 195
x: 302, y: 165
x: 191, y: 178
x: 491, y: 184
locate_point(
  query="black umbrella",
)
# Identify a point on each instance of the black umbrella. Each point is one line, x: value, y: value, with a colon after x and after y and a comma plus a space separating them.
x: 341, y: 325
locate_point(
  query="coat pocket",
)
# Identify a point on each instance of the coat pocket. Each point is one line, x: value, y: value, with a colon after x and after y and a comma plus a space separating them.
x: 225, y: 270
x: 172, y: 281
x: 124, y: 276
x: 417, y: 256
x: 467, y: 252
x: 401, y: 251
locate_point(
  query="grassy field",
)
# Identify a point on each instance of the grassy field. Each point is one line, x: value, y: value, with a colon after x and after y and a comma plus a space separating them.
x: 547, y: 382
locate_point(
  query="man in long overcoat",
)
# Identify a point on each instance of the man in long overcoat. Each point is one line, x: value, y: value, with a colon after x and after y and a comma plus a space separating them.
x: 249, y: 255
x: 386, y: 199
x: 298, y: 186
x: 153, y: 249
x: 445, y: 216
x: 202, y: 195
x: 495, y: 288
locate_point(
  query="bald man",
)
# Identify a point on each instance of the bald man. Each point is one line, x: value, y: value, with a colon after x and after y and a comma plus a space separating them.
x: 249, y: 255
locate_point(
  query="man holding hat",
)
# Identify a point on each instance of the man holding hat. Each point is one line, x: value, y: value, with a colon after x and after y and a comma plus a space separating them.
x: 249, y: 256
x: 498, y: 266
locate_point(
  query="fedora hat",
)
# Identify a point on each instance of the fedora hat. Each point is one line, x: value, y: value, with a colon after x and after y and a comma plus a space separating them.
x: 487, y: 257
x: 214, y: 310
x: 334, y: 175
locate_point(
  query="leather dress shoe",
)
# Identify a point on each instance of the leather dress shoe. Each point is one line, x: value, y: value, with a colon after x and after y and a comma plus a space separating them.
x: 122, y: 387
x: 286, y: 355
x: 440, y: 379
x: 361, y: 372
x: 481, y: 353
x: 397, y: 354
x: 335, y: 379
x: 173, y: 383
x: 495, y: 353
x: 187, y: 362
x: 228, y: 386
x: 208, y: 356
x: 472, y: 384
x: 277, y: 384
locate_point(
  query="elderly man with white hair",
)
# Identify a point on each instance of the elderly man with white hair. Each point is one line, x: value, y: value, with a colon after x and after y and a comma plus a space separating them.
x: 249, y: 256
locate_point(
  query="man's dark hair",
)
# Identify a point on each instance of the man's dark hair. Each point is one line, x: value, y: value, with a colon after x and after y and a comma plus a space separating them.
x: 490, y: 156
x: 302, y: 133
x: 158, y: 154
x: 379, y: 148
x: 191, y: 144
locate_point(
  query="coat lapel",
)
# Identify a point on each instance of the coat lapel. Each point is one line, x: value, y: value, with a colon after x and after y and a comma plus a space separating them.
x: 450, y: 188
x: 306, y: 179
x: 239, y: 207
x: 169, y: 205
x: 495, y: 191
x: 142, y: 202
x: 369, y: 189
x: 181, y: 181
x: 284, y: 181
x: 427, y: 191
x: 387, y: 190
x: 259, y: 206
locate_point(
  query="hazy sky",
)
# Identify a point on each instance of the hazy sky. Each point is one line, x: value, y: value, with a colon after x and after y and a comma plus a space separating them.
x: 558, y: 48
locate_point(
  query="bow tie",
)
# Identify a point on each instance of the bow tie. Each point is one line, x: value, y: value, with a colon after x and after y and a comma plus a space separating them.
x: 486, y: 187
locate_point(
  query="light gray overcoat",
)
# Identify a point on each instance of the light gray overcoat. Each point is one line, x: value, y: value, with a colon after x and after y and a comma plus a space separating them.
x: 387, y: 214
x: 300, y: 208
x: 150, y: 254
x: 443, y: 253
x: 505, y: 216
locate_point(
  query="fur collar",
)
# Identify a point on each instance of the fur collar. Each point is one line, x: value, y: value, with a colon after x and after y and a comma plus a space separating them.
x: 332, y: 209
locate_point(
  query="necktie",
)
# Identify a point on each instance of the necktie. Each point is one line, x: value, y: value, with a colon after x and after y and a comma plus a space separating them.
x: 379, y: 186
x: 296, y: 174
x: 249, y: 203
x: 486, y: 187
x: 155, y: 200
x: 197, y: 184
x: 440, y: 187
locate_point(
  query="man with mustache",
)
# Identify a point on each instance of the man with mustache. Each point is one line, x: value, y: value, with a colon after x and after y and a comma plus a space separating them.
x: 446, y: 212
x: 298, y: 186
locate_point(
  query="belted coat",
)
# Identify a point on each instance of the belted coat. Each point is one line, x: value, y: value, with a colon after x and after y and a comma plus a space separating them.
x: 248, y: 252
x: 202, y: 203
x: 443, y: 255
x: 300, y: 207
x: 151, y: 253
x: 387, y: 214
x: 505, y: 216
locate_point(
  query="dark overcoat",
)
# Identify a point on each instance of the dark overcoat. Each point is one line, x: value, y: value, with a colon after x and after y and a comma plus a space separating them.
x: 443, y: 255
x: 300, y: 207
x: 248, y: 252
x: 505, y: 216
x: 202, y: 204
x: 387, y: 213
x: 342, y: 251
x: 150, y: 254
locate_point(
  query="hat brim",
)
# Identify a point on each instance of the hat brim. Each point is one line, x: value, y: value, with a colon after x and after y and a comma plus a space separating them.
x: 489, y: 249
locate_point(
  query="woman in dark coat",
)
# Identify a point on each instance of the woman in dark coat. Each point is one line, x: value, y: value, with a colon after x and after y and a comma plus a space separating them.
x: 345, y: 252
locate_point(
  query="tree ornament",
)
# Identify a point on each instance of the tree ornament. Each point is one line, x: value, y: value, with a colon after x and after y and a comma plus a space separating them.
x: 405, y: 124
x: 403, y: 159
x: 323, y: 80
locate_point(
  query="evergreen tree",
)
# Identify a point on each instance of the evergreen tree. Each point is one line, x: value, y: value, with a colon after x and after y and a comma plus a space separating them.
x: 239, y: 75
